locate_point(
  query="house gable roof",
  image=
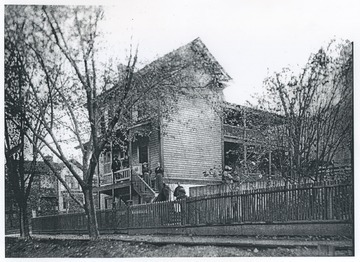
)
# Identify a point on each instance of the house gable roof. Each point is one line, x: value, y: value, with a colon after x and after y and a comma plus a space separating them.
x: 195, y: 52
x: 277, y: 119
x: 195, y: 47
x: 41, y: 167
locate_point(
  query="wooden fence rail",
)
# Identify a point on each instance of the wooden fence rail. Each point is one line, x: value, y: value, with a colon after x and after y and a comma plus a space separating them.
x: 327, y: 201
x: 334, y: 174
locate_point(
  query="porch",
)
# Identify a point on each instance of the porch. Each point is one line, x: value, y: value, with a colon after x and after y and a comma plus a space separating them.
x: 123, y: 185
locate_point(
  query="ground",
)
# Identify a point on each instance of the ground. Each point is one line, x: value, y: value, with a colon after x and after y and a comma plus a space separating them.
x: 42, y: 247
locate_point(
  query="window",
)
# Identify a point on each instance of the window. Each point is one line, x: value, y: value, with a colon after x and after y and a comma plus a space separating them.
x: 143, y: 153
x: 45, y: 182
x: 102, y: 125
x: 109, y: 114
x: 74, y: 184
x: 108, y: 203
x: 107, y: 162
x: 105, y: 119
x: 141, y: 111
x: 71, y: 182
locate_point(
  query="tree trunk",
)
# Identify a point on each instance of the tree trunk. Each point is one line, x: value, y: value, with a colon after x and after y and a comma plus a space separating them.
x: 91, y: 214
x: 24, y: 221
x: 20, y: 222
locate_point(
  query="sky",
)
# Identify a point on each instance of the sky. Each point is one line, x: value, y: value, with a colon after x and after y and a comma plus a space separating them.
x: 250, y: 39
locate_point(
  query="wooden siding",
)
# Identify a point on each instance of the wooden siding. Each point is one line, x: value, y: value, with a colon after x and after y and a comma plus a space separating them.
x: 192, y: 140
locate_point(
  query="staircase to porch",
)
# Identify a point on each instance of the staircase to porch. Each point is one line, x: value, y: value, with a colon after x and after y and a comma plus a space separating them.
x: 142, y: 188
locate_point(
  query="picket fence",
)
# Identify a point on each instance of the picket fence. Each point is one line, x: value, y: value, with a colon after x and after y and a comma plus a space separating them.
x: 336, y: 174
x: 325, y: 201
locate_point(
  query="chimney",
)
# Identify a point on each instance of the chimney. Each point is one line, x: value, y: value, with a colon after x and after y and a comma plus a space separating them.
x: 49, y: 158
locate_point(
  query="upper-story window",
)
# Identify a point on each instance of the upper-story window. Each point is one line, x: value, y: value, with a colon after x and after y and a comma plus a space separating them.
x: 143, y: 153
x: 106, y: 118
x: 103, y: 124
x: 141, y: 109
x: 106, y: 162
x: 139, y: 112
x: 71, y: 182
x: 46, y: 181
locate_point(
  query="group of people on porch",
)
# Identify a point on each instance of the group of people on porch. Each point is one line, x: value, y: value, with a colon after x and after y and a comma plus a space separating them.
x: 155, y: 180
x: 118, y: 164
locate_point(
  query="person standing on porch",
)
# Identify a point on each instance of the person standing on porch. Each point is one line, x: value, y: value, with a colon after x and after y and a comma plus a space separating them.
x: 146, y: 173
x: 116, y: 164
x: 125, y: 162
x: 159, y: 175
x: 179, y: 192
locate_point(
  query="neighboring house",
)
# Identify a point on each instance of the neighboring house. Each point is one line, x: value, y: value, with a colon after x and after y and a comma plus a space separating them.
x: 195, y: 138
x: 43, y: 198
x: 66, y: 203
x: 11, y: 210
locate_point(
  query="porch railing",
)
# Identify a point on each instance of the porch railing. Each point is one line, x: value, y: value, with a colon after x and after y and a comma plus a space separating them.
x: 252, y: 135
x: 106, y: 179
x: 121, y: 175
x: 118, y: 176
x: 223, y: 188
x: 339, y: 173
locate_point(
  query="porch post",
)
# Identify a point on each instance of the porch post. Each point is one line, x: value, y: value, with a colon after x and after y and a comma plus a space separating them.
x: 113, y: 176
x: 270, y: 162
x: 245, y: 143
x: 130, y: 163
x: 98, y: 171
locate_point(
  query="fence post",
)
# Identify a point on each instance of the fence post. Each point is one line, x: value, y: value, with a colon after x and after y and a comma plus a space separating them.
x: 128, y: 216
x: 321, y: 201
x: 331, y: 193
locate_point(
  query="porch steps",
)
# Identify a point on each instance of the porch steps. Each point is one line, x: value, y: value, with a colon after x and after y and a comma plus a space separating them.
x: 143, y: 189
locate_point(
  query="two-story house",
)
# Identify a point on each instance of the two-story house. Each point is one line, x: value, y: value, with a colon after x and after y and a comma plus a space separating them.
x: 184, y: 144
x: 196, y: 136
x: 43, y: 197
x: 66, y: 203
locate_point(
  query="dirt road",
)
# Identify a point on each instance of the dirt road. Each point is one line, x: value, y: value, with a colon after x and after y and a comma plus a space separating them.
x: 150, y: 246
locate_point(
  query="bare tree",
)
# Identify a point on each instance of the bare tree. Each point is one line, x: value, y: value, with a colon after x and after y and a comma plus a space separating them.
x: 16, y: 119
x: 71, y: 91
x: 317, y: 105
